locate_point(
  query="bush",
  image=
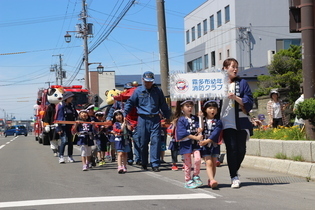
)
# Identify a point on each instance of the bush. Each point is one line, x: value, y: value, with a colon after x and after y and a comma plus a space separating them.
x: 281, y: 133
x: 306, y: 110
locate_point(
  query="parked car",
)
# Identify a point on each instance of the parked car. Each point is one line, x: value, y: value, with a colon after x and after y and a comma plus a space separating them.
x: 16, y: 130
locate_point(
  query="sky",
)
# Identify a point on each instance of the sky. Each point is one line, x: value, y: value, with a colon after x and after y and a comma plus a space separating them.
x: 32, y: 37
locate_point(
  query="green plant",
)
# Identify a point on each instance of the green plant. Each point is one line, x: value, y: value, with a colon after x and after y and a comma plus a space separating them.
x: 306, y: 110
x: 281, y: 133
x: 297, y: 158
x: 281, y: 156
x: 285, y: 72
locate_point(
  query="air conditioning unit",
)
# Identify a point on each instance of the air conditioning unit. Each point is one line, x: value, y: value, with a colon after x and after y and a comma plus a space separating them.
x: 270, y: 54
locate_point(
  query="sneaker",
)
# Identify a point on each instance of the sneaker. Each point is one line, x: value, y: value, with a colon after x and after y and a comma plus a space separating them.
x: 213, y: 184
x: 85, y: 168
x: 61, y: 159
x: 190, y: 184
x: 236, y: 183
x: 124, y: 169
x: 108, y: 158
x: 101, y: 163
x: 174, y: 168
x: 120, y: 170
x: 197, y: 181
x: 55, y: 154
x: 70, y: 159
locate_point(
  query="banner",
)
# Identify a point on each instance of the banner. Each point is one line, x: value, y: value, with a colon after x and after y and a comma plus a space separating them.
x: 198, y: 86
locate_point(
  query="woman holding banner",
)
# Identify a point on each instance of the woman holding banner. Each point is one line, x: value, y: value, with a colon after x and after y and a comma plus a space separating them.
x: 234, y: 116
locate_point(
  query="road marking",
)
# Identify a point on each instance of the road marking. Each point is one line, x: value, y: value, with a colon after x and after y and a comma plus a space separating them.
x: 104, y: 199
x: 7, y: 142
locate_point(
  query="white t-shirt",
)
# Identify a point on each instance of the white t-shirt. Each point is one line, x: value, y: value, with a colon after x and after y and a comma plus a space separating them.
x: 276, y: 110
x: 299, y: 100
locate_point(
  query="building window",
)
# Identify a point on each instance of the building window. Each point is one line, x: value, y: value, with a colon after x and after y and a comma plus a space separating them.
x: 193, y: 33
x: 284, y: 44
x: 187, y: 37
x: 195, y: 65
x: 199, y: 30
x: 211, y: 23
x: 227, y: 13
x: 213, y: 59
x: 205, y: 26
x: 228, y: 53
x: 219, y: 19
x: 206, y: 61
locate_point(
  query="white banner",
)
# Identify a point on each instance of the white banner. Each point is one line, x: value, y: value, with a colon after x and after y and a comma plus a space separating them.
x: 198, y: 86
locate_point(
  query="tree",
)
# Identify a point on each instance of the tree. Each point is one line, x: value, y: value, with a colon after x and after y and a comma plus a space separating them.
x: 285, y: 72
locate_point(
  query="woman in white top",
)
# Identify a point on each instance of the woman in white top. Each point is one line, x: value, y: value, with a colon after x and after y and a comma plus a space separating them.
x: 275, y: 110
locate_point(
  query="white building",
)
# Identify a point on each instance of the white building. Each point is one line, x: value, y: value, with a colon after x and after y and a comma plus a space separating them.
x: 249, y: 30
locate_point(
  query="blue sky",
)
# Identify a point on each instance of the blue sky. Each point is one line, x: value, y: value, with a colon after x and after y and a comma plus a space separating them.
x: 32, y: 31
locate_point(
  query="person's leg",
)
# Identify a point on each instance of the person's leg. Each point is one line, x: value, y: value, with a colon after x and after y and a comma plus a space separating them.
x: 70, y: 143
x: 241, y: 147
x: 130, y: 154
x: 229, y: 136
x: 155, y: 145
x: 63, y: 142
x: 144, y: 139
x: 197, y: 162
x: 136, y: 146
x: 187, y: 166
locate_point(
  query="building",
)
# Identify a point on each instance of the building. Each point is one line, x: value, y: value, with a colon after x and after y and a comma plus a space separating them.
x: 249, y: 30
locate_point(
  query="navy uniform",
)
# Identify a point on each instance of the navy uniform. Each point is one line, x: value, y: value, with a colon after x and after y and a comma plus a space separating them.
x: 149, y: 101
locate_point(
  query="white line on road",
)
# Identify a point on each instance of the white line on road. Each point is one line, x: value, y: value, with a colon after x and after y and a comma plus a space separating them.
x: 104, y: 199
x: 2, y: 146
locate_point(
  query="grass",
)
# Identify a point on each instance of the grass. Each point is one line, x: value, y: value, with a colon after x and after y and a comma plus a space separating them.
x: 285, y: 157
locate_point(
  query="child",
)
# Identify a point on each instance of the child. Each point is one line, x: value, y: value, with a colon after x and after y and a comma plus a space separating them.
x: 121, y: 141
x: 188, y: 134
x: 101, y: 139
x: 85, y: 137
x: 210, y: 150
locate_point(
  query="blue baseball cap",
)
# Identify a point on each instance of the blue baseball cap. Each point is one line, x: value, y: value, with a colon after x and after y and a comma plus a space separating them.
x: 148, y: 76
x: 128, y: 85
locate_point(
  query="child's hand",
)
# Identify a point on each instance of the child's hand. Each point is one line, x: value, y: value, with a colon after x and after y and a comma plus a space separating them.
x: 203, y: 143
x: 199, y: 137
x: 200, y: 114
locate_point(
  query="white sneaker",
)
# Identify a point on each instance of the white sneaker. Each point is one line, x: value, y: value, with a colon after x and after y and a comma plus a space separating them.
x: 55, y: 154
x: 236, y: 183
x: 61, y: 159
x: 70, y: 159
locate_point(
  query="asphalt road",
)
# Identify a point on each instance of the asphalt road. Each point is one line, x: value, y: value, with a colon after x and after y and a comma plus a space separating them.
x: 31, y: 178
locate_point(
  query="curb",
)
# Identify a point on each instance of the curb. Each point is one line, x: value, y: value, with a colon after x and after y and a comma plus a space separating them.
x: 302, y: 169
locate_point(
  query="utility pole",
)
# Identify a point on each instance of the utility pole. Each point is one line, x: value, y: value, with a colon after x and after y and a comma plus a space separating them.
x: 308, y: 55
x: 59, y: 72
x: 85, y: 44
x: 302, y: 20
x: 164, y: 66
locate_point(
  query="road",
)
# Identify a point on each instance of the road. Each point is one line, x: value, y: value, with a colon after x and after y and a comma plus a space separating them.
x: 32, y: 178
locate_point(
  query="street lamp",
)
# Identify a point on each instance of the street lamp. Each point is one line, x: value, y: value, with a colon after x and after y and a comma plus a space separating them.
x: 68, y: 37
x: 100, y: 68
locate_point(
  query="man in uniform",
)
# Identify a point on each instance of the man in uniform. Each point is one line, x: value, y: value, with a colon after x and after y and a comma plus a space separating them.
x: 150, y: 102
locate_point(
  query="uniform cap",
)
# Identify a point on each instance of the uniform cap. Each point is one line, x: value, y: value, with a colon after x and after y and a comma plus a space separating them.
x: 128, y: 85
x: 148, y: 76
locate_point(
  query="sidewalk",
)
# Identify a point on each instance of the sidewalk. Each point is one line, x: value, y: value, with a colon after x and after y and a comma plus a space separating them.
x: 290, y: 167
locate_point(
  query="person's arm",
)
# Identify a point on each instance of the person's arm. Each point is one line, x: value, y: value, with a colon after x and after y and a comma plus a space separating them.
x: 163, y: 105
x: 131, y: 102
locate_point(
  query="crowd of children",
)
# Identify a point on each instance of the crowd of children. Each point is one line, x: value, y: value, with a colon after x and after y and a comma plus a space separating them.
x: 193, y: 137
